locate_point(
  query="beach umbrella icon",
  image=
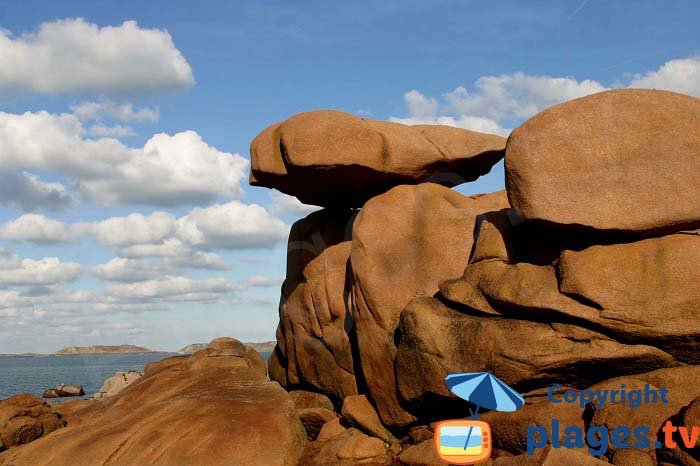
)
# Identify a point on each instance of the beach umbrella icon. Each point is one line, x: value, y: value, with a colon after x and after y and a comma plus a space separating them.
x: 485, y: 391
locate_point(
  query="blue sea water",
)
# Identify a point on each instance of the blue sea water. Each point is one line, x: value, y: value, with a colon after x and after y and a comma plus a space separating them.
x: 38, y: 373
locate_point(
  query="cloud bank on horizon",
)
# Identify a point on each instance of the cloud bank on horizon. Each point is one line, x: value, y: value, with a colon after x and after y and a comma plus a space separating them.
x: 99, y: 234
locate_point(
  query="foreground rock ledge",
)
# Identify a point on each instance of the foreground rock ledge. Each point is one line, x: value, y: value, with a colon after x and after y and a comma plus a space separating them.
x: 333, y: 159
x: 215, y: 407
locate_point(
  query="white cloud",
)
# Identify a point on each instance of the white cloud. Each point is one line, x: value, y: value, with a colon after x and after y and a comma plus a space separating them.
x: 72, y: 55
x: 516, y: 95
x: 497, y: 102
x: 123, y: 112
x: 168, y: 171
x: 171, y: 289
x: 231, y: 226
x: 682, y: 75
x: 27, y: 192
x: 170, y: 247
x: 48, y: 271
x: 116, y: 131
x: 420, y: 106
x: 129, y: 270
x: 283, y: 204
x: 135, y: 228
x: 38, y: 229
x: 497, y: 99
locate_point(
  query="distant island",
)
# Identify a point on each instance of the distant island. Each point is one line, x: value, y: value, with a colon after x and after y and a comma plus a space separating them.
x: 22, y: 355
x: 260, y: 347
x: 103, y: 349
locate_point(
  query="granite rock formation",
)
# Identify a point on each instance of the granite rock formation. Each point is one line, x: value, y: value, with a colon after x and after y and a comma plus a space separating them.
x: 582, y: 274
x: 214, y: 407
x: 333, y: 159
x: 617, y: 160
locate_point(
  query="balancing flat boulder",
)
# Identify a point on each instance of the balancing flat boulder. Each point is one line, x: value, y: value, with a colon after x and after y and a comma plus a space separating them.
x: 330, y: 158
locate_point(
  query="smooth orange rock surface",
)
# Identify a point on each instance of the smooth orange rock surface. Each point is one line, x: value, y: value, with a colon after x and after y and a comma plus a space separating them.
x: 331, y: 158
x: 185, y: 413
x: 625, y: 159
x: 404, y: 243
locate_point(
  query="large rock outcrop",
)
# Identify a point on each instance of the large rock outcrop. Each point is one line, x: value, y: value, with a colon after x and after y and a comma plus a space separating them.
x: 215, y: 407
x: 435, y: 340
x: 331, y: 158
x: 404, y: 243
x: 313, y: 347
x: 25, y: 418
x: 636, y: 291
x: 618, y: 160
x: 582, y: 275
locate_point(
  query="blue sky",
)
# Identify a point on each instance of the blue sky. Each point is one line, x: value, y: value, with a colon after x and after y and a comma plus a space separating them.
x: 100, y: 242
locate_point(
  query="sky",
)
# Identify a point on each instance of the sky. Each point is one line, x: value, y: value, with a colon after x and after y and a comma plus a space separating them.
x: 125, y: 212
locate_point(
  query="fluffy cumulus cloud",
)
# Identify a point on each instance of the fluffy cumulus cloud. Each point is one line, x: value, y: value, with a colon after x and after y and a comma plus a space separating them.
x: 425, y: 110
x: 497, y: 102
x: 129, y: 270
x: 37, y: 228
x: 233, y: 225
x: 72, y: 55
x: 516, y: 95
x: 27, y: 192
x: 682, y: 75
x: 49, y: 271
x: 173, y: 288
x: 135, y: 228
x: 168, y: 170
x: 495, y: 99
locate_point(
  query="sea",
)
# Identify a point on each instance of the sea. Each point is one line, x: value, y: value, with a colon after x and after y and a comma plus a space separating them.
x: 35, y: 374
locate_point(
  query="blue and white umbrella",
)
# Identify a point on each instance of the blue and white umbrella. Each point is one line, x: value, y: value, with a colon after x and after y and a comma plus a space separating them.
x: 485, y: 391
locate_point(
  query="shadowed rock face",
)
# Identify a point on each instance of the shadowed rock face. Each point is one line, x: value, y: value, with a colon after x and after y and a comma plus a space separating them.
x: 617, y: 160
x: 404, y: 243
x: 435, y: 340
x: 24, y: 418
x: 330, y: 158
x: 313, y: 346
x: 215, y: 407
x: 635, y: 292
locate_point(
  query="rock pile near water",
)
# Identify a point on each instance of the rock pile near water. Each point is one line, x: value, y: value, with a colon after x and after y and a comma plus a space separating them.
x: 585, y: 270
x: 117, y: 383
x: 214, y: 407
x: 60, y: 391
x: 583, y: 273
